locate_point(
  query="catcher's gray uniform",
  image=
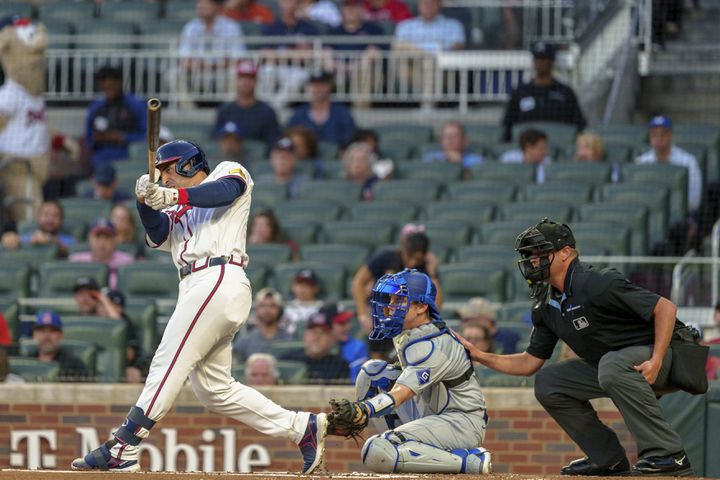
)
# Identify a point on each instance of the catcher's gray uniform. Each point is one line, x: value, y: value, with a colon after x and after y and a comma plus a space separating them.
x: 450, y: 411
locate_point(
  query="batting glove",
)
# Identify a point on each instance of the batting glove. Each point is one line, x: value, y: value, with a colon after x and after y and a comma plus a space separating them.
x: 159, y: 198
x: 142, y: 184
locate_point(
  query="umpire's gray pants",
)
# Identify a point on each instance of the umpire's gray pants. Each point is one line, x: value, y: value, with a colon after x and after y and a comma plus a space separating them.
x: 564, y: 390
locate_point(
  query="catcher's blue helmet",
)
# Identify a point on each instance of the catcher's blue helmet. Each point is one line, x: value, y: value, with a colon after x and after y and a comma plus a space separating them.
x: 388, y: 315
x: 188, y: 155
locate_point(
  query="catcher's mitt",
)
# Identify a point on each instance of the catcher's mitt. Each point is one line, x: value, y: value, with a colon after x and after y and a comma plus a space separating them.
x: 347, y: 419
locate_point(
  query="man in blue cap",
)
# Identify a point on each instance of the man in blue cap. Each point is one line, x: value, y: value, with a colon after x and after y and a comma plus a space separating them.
x: 105, y: 185
x: 48, y: 335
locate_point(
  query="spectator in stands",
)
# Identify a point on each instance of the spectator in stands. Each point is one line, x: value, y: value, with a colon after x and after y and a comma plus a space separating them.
x: 589, y: 148
x: 321, y: 11
x: 49, y: 225
x: 414, y: 252
x: 124, y: 222
x: 290, y: 24
x: 102, y: 239
x: 265, y: 228
x: 111, y: 304
x: 266, y: 327
x: 332, y: 122
x: 305, y: 143
x: 210, y: 41
x: 323, y: 366
x: 230, y: 139
x: 663, y: 151
x: 543, y: 99
x: 387, y: 11
x: 305, y: 289
x: 354, y: 25
x: 454, y: 143
x: 533, y: 150
x: 383, y: 167
x: 48, y: 335
x: 430, y: 31
x: 248, y: 11
x: 114, y: 120
x: 478, y: 311
x: 478, y: 336
x: 354, y: 351
x: 358, y: 164
x: 5, y: 375
x: 256, y: 119
x: 105, y: 185
x: 283, y: 162
x: 261, y: 370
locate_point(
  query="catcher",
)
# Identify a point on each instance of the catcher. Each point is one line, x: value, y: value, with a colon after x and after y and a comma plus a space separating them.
x: 432, y: 404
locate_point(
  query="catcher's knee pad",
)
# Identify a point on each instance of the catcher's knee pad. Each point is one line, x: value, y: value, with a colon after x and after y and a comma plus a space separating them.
x: 375, y: 376
x: 379, y: 454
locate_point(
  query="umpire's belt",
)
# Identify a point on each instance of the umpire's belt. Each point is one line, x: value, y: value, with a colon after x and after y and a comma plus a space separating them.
x: 202, y: 264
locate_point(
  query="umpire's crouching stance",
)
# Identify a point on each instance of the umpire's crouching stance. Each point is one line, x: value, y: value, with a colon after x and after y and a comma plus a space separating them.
x: 621, y: 333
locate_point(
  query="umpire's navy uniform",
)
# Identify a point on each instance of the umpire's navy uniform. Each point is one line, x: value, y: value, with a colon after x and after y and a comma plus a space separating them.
x: 608, y: 322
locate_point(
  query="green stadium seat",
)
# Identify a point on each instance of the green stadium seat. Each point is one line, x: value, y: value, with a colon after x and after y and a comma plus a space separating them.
x: 193, y: 131
x: 254, y: 151
x: 269, y: 195
x: 307, y: 211
x: 280, y: 348
x: 331, y: 278
x: 269, y: 254
x: 11, y: 311
x: 148, y: 280
x: 501, y: 256
x: 57, y: 279
x: 562, y: 192
x: 514, y: 312
x: 68, y: 11
x: 181, y: 11
x: 10, y: 8
x: 442, y: 172
x: 628, y: 133
x: 398, y: 152
x: 106, y: 33
x: 131, y: 11
x: 238, y: 373
x: 635, y: 217
x: 383, y: 212
x: 696, y: 132
x: 258, y: 275
x: 465, y: 211
x: 14, y: 279
x: 558, y: 133
x: 496, y: 150
x: 673, y: 177
x: 398, y: 132
x: 109, y: 337
x: 583, y: 173
x: 84, y: 351
x: 60, y: 33
x: 336, y: 191
x: 142, y: 313
x: 300, y: 232
x: 602, y: 237
x: 328, y: 151
x: 620, y: 152
x: 366, y: 233
x: 503, y: 233
x: 30, y: 254
x: 519, y: 174
x: 34, y: 370
x: 349, y: 256
x: 484, y: 134
x: 415, y: 192
x: 482, y: 191
x: 447, y: 234
x: 657, y: 201
x: 292, y: 373
x: 460, y: 282
x: 533, y: 212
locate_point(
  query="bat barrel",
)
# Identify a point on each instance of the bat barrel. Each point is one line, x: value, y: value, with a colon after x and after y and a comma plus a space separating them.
x: 154, y: 106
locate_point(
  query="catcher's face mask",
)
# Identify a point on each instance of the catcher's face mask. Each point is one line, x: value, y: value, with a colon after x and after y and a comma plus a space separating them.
x: 389, y: 304
x: 536, y: 256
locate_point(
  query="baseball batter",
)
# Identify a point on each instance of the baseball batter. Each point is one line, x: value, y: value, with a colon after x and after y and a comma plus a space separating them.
x: 201, y: 219
x: 432, y: 404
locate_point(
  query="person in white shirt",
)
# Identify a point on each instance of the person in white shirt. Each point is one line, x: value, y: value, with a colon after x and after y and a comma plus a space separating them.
x: 663, y: 151
x: 430, y: 30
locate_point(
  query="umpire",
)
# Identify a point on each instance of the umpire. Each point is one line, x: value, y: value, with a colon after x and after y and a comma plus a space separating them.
x: 621, y: 334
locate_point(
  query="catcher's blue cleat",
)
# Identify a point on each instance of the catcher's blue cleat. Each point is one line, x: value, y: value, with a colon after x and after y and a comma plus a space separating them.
x: 312, y: 444
x: 101, y: 459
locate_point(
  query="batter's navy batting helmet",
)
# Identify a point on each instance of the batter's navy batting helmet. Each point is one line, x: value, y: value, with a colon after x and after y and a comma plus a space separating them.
x: 188, y: 155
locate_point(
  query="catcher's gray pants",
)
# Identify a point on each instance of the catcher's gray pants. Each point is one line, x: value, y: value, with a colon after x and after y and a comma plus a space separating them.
x: 447, y: 431
x: 564, y: 389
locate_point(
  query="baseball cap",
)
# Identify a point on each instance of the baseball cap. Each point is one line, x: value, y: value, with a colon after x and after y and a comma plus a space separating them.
x: 306, y: 275
x: 86, y: 282
x: 246, y: 67
x: 108, y: 71
x: 558, y: 234
x: 102, y: 226
x: 116, y: 297
x: 229, y: 128
x: 478, y: 307
x: 105, y: 175
x: 660, y: 121
x: 321, y: 76
x: 334, y: 313
x: 48, y: 319
x: 319, y: 319
x: 543, y: 50
x: 284, y: 144
x: 269, y: 292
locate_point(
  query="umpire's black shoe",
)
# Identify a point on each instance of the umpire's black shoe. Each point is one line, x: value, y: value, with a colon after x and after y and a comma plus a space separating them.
x: 671, y: 466
x: 583, y: 466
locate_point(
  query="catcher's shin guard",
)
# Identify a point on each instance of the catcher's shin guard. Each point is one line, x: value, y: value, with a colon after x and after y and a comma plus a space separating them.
x: 387, y: 453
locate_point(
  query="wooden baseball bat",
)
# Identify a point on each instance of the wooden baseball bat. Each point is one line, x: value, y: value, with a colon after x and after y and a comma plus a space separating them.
x: 154, y: 107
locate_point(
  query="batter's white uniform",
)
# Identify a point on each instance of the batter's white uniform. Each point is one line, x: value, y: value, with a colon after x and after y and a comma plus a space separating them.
x: 213, y: 303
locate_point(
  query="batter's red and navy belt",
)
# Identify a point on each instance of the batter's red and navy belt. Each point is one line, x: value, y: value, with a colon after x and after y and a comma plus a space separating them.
x: 201, y: 264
